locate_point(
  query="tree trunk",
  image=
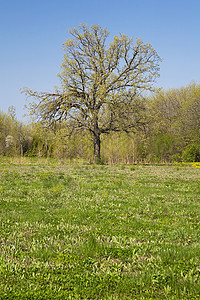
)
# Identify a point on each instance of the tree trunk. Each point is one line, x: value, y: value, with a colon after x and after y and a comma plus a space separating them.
x: 22, y: 152
x: 97, y: 143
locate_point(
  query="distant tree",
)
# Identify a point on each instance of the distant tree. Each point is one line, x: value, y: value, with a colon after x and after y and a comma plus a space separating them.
x: 174, y: 122
x: 100, y: 84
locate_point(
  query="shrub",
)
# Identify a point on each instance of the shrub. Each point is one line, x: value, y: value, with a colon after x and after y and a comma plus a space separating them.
x: 191, y: 153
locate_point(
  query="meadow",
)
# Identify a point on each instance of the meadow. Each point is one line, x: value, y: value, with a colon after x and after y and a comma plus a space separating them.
x: 72, y: 230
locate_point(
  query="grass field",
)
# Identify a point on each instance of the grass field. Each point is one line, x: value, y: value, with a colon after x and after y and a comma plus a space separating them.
x: 74, y: 231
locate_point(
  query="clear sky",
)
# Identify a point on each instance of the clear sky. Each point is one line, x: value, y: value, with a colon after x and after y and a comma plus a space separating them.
x: 32, y: 33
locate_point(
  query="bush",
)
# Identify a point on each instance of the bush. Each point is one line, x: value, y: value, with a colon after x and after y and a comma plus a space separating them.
x: 164, y: 147
x: 191, y: 153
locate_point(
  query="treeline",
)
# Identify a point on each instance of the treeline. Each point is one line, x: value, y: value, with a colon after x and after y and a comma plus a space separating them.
x: 15, y: 138
x: 171, y: 133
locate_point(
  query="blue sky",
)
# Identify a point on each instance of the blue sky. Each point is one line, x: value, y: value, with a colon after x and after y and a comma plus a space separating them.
x: 32, y: 33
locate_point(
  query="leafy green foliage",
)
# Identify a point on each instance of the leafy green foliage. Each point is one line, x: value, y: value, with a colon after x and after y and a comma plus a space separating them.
x: 192, y: 153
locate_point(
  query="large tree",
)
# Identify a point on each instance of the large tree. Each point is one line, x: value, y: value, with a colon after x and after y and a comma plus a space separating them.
x: 101, y: 84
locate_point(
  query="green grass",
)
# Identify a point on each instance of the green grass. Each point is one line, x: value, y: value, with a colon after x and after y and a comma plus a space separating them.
x: 73, y: 231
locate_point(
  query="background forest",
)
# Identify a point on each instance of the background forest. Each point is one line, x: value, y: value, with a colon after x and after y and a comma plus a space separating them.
x: 171, y: 133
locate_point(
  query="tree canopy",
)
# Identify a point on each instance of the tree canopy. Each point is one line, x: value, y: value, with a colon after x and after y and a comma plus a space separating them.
x: 101, y: 84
